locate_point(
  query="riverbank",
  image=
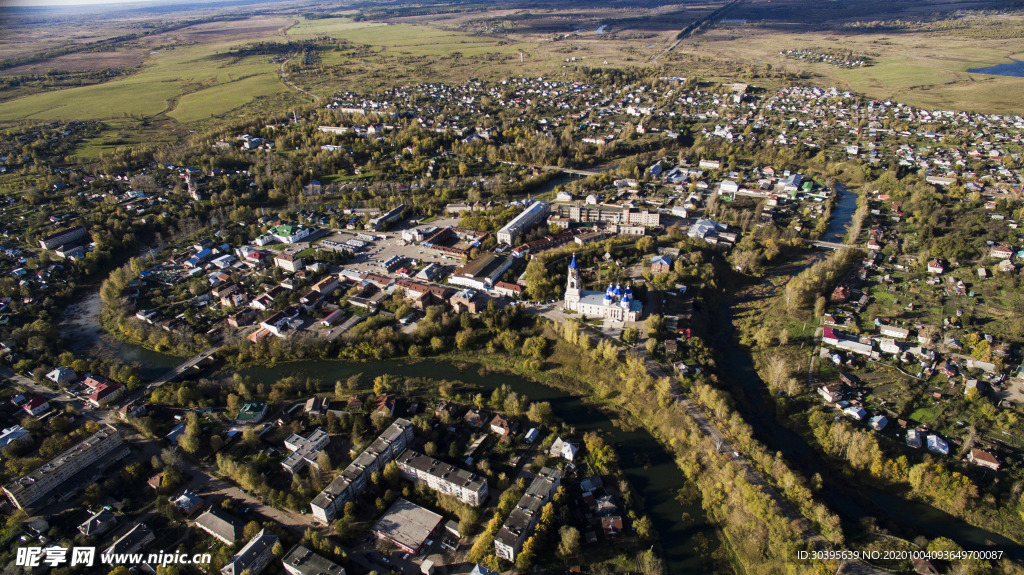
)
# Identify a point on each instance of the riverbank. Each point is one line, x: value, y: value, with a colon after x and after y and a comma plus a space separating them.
x: 688, y: 538
x: 766, y: 348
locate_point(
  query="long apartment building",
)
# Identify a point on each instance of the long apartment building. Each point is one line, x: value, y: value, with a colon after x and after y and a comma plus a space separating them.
x: 442, y: 477
x: 351, y: 482
x: 524, y: 517
x: 35, y: 486
x: 524, y: 221
x: 611, y: 215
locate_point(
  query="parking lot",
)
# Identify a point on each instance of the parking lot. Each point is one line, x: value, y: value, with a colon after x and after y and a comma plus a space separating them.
x: 369, y: 258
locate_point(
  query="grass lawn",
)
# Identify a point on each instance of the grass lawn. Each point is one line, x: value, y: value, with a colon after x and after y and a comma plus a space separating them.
x: 927, y: 415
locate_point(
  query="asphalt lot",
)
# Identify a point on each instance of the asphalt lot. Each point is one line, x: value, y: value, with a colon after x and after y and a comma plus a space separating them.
x: 381, y: 250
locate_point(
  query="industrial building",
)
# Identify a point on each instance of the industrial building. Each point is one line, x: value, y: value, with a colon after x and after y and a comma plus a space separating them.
x: 483, y: 272
x: 75, y: 234
x: 386, y: 219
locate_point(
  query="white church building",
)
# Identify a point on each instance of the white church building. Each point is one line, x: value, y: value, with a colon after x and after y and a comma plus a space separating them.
x: 615, y: 303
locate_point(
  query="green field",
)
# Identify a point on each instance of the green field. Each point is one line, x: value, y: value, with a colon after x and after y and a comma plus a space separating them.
x: 205, y: 83
x: 327, y: 27
x: 223, y: 98
x: 920, y: 66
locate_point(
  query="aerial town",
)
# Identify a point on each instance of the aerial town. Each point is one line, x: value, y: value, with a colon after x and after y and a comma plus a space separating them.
x: 587, y: 319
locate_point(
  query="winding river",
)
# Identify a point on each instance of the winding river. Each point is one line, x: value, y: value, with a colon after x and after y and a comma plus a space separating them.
x: 647, y: 465
x: 852, y: 502
x: 649, y: 468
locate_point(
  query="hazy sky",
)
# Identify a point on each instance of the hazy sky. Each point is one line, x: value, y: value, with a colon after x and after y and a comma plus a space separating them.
x: 81, y: 2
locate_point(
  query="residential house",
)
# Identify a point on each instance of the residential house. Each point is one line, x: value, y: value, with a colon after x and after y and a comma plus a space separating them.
x: 98, y: 524
x: 661, y: 264
x: 503, y: 426
x: 564, y: 449
x: 136, y: 539
x: 317, y: 405
x: 983, y: 459
x: 36, y: 406
x: 832, y: 392
x: 62, y: 375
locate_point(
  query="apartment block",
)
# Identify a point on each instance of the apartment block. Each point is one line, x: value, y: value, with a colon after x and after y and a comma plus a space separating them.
x: 353, y: 479
x: 524, y: 517
x: 38, y: 484
x: 443, y: 478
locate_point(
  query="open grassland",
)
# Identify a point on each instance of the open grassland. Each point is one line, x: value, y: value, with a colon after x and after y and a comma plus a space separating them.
x: 335, y: 27
x: 919, y: 66
x: 125, y: 133
x: 184, y: 79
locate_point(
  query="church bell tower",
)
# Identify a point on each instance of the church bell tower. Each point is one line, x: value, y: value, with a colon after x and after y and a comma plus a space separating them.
x: 572, y: 287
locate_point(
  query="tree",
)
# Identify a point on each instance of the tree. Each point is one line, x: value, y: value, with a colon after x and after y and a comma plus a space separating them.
x: 648, y: 563
x: 234, y: 403
x: 655, y: 324
x: 651, y: 345
x: 630, y: 335
x: 540, y: 412
x: 644, y: 528
x: 250, y: 436
x: 189, y: 440
x: 540, y: 284
x: 569, y: 544
x: 323, y: 462
x: 382, y: 384
x: 251, y: 530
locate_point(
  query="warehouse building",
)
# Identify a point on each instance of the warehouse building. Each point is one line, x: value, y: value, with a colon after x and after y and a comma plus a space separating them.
x: 408, y: 526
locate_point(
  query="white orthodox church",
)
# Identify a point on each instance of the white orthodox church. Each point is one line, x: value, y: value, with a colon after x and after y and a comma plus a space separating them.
x: 614, y: 303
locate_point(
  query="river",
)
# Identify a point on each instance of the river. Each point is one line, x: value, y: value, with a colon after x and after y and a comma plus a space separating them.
x: 87, y: 338
x: 649, y: 468
x: 841, y: 216
x: 646, y: 464
x: 851, y: 501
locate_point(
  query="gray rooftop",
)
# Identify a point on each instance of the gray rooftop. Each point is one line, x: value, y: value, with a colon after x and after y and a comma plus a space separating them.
x: 306, y: 562
x: 408, y: 523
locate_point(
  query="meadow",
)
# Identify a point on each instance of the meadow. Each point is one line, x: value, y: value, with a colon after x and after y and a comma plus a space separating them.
x: 187, y: 83
x: 918, y: 65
